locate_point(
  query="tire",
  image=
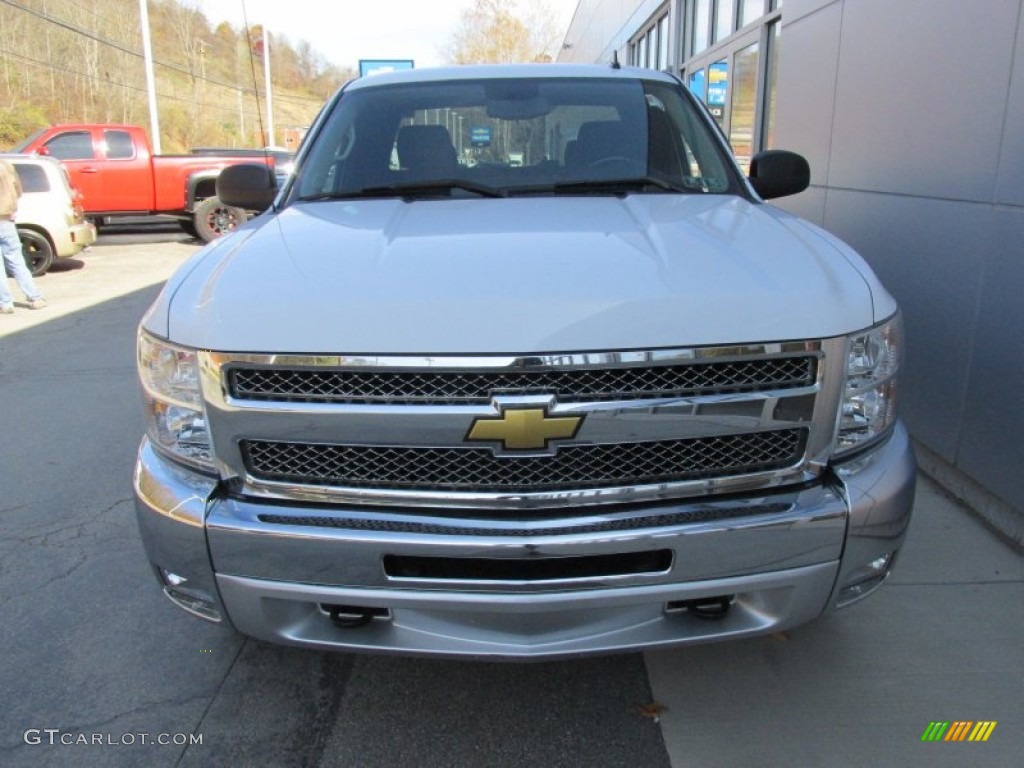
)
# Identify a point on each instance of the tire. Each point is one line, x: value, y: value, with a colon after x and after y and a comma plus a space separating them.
x: 37, y: 251
x: 213, y: 219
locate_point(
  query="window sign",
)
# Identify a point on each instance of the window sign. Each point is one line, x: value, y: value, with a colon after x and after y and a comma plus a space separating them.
x: 378, y: 66
x: 480, y: 135
x: 718, y: 88
x: 699, y: 85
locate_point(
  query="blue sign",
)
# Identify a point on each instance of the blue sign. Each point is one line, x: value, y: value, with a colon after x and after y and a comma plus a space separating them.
x: 699, y: 84
x: 718, y: 83
x: 480, y: 135
x: 379, y: 66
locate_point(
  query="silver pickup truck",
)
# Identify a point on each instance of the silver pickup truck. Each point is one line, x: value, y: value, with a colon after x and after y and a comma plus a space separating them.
x: 518, y: 364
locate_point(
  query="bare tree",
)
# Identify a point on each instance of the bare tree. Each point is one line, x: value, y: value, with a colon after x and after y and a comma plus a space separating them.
x: 503, y: 32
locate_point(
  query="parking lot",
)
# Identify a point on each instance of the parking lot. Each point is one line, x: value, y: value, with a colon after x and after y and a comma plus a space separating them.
x: 95, y: 656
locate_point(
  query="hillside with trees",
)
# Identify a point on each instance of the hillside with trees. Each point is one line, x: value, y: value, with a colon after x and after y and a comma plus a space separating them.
x: 69, y: 61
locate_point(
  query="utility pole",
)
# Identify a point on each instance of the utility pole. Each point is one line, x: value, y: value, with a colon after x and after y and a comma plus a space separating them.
x: 147, y: 50
x: 266, y: 76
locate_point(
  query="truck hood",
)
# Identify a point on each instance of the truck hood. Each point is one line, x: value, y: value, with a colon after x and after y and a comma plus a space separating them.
x: 478, y: 276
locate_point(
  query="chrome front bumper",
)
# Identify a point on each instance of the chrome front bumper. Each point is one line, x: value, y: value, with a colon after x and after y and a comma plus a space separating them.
x: 273, y: 569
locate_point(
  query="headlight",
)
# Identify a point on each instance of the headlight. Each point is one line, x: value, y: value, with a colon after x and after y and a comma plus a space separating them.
x: 175, y: 420
x: 868, y: 409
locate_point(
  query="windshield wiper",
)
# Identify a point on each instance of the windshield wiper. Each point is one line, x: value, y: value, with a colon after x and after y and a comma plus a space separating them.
x: 618, y: 186
x: 412, y: 190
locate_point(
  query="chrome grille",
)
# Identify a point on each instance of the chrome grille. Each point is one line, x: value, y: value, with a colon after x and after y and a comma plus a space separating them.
x: 692, y: 514
x: 461, y: 386
x: 479, y: 470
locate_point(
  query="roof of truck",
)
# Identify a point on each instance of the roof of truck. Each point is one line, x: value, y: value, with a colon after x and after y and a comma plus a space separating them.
x: 499, y: 71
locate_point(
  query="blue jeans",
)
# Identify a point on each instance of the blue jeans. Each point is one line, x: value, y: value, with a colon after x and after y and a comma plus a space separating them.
x: 14, y: 261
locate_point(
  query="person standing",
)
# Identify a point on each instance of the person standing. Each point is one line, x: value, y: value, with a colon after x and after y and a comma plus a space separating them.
x: 10, y: 244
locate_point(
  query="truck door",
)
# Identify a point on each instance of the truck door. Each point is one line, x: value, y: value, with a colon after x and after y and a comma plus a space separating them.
x: 74, y: 148
x: 127, y: 172
x: 105, y: 164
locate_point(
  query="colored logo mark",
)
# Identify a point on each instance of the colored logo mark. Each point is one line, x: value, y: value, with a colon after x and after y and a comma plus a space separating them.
x: 959, y: 730
x: 521, y: 429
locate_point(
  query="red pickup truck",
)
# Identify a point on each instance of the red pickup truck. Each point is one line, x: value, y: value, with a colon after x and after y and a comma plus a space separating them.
x: 114, y: 167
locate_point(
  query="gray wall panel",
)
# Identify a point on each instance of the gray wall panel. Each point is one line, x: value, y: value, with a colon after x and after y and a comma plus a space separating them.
x: 808, y: 55
x: 913, y: 114
x: 797, y: 9
x: 1010, y: 185
x: 925, y: 158
x: 991, y: 450
x: 809, y: 204
x: 910, y: 114
x: 930, y: 254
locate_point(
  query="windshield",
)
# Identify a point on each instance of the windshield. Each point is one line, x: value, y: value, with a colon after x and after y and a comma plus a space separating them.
x: 499, y: 137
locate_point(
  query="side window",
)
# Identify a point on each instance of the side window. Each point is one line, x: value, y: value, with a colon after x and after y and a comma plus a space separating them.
x: 33, y: 178
x: 119, y: 145
x: 74, y: 145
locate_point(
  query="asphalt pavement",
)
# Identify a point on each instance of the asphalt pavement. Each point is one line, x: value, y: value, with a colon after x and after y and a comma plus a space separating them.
x: 95, y: 656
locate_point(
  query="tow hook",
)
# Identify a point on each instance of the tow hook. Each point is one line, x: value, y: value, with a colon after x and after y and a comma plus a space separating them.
x: 354, y: 616
x: 715, y: 608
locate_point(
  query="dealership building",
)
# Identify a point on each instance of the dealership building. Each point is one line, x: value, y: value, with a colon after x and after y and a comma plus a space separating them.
x: 917, y: 160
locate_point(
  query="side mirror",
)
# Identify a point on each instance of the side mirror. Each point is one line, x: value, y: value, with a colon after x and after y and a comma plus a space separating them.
x: 777, y: 173
x: 247, y: 186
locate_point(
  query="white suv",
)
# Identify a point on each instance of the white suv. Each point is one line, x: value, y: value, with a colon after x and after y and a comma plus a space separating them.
x: 50, y: 218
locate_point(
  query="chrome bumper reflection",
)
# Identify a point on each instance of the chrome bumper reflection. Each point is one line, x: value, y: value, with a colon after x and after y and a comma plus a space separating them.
x: 781, y: 558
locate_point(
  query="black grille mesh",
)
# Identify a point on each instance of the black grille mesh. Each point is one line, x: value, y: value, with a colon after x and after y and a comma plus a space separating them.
x: 452, y: 387
x: 479, y: 470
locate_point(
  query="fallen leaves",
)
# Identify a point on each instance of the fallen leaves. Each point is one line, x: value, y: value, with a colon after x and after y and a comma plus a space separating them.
x: 653, y: 710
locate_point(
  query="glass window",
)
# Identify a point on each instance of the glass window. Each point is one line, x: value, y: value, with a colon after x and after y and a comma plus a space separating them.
x: 73, y: 145
x: 701, y: 25
x: 723, y: 19
x: 663, y: 42
x: 718, y: 89
x: 750, y: 11
x: 32, y: 177
x: 119, y: 145
x: 511, y: 136
x: 744, y: 101
x: 771, y: 89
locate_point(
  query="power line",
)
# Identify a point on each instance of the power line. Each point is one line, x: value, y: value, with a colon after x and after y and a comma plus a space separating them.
x: 64, y: 24
x: 125, y: 86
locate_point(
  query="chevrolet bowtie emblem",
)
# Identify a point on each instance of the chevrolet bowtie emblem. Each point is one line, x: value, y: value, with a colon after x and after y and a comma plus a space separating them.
x: 524, y: 429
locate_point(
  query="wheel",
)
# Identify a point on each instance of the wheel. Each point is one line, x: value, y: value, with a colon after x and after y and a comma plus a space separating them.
x: 37, y: 251
x: 214, y: 219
